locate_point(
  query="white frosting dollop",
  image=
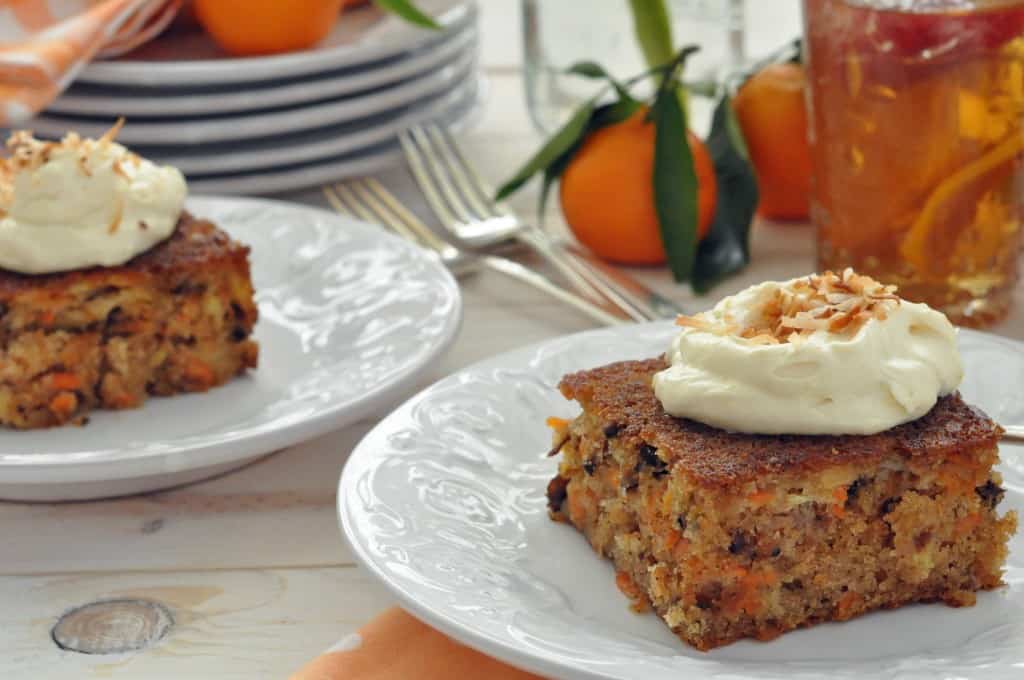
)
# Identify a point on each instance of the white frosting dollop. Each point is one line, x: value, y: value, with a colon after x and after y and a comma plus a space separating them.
x: 82, y: 203
x: 887, y: 368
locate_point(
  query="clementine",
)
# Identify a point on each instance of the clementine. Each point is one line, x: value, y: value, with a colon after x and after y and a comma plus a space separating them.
x: 770, y: 110
x: 607, y: 192
x: 251, y: 27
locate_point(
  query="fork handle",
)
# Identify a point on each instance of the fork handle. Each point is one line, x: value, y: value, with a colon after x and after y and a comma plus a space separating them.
x: 655, y: 305
x: 544, y: 246
x: 517, y: 271
x: 1014, y: 432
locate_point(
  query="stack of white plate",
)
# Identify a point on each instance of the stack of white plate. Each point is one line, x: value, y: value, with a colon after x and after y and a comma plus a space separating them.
x: 275, y: 123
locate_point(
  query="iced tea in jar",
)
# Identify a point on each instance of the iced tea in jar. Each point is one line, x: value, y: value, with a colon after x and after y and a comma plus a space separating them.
x: 915, y: 110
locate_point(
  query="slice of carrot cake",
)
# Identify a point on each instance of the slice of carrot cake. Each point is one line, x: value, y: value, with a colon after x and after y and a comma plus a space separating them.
x: 731, y: 534
x: 109, y: 291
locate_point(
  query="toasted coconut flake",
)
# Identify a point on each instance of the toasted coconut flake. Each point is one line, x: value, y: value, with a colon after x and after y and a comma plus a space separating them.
x: 764, y: 339
x: 26, y: 153
x: 804, y: 322
x: 112, y: 133
x: 828, y: 302
x: 692, y: 322
x: 116, y: 221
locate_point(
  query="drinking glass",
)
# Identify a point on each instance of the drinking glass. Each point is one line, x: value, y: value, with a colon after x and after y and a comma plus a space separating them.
x: 915, y: 111
x: 558, y: 33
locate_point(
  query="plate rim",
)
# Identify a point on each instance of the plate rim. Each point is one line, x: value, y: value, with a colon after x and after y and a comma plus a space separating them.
x: 461, y: 116
x: 254, y: 445
x: 318, y: 143
x: 239, y: 128
x: 137, y: 72
x: 484, y: 641
x: 170, y: 104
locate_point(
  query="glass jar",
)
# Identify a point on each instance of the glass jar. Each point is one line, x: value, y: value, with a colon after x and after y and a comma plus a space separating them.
x: 558, y: 33
x: 915, y: 113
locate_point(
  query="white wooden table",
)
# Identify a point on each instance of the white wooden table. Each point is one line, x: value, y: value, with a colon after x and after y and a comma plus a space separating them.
x: 251, y: 565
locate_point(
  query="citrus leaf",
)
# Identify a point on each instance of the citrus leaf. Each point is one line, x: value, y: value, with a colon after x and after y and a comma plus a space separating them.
x: 733, y: 129
x: 725, y: 249
x: 653, y: 30
x: 587, y: 69
x: 609, y: 114
x: 593, y: 70
x: 675, y: 184
x: 408, y: 11
x: 561, y: 142
x: 551, y: 174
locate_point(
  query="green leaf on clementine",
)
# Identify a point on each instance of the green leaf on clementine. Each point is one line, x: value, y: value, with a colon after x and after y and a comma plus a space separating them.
x: 608, y: 114
x: 594, y: 71
x: 675, y: 183
x: 408, y: 11
x: 561, y: 142
x: 724, y: 250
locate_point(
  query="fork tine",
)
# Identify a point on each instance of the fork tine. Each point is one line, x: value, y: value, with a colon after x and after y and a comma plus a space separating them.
x: 350, y: 196
x: 335, y: 200
x: 478, y: 192
x: 440, y: 168
x: 377, y: 192
x: 457, y: 167
x: 418, y: 165
x: 429, y: 171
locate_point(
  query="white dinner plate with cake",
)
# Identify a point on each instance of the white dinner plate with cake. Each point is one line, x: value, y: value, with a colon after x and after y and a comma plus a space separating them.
x: 151, y: 340
x: 479, y: 503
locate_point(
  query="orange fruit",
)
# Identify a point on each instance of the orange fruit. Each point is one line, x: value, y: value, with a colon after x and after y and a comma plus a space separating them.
x: 607, y: 192
x: 251, y: 27
x: 770, y: 110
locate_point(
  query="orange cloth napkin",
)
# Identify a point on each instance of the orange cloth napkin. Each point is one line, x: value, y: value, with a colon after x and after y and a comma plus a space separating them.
x: 396, y: 646
x: 44, y: 44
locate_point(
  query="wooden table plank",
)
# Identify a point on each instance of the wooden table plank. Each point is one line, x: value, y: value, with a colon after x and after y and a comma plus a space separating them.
x: 228, y: 624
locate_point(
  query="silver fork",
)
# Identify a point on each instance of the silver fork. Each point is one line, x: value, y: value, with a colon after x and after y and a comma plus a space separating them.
x: 369, y: 200
x: 462, y: 201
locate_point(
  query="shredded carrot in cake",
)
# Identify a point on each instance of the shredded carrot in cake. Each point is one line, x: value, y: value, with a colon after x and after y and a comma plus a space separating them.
x: 556, y: 423
x: 65, y: 381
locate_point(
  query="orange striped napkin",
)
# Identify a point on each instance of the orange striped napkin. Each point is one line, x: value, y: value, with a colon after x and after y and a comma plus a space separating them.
x: 396, y: 646
x: 44, y: 43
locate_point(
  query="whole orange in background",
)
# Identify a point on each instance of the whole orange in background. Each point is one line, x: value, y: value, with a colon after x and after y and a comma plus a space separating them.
x: 770, y: 110
x: 251, y: 27
x: 607, y: 192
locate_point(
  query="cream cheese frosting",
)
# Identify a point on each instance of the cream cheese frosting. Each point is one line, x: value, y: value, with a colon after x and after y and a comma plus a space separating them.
x: 82, y: 202
x: 829, y: 354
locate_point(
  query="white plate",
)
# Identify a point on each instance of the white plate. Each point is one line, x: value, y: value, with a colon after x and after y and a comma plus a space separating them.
x: 105, y: 100
x: 264, y: 124
x: 312, y: 145
x: 361, y: 36
x: 444, y: 502
x: 349, y: 319
x: 363, y: 162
